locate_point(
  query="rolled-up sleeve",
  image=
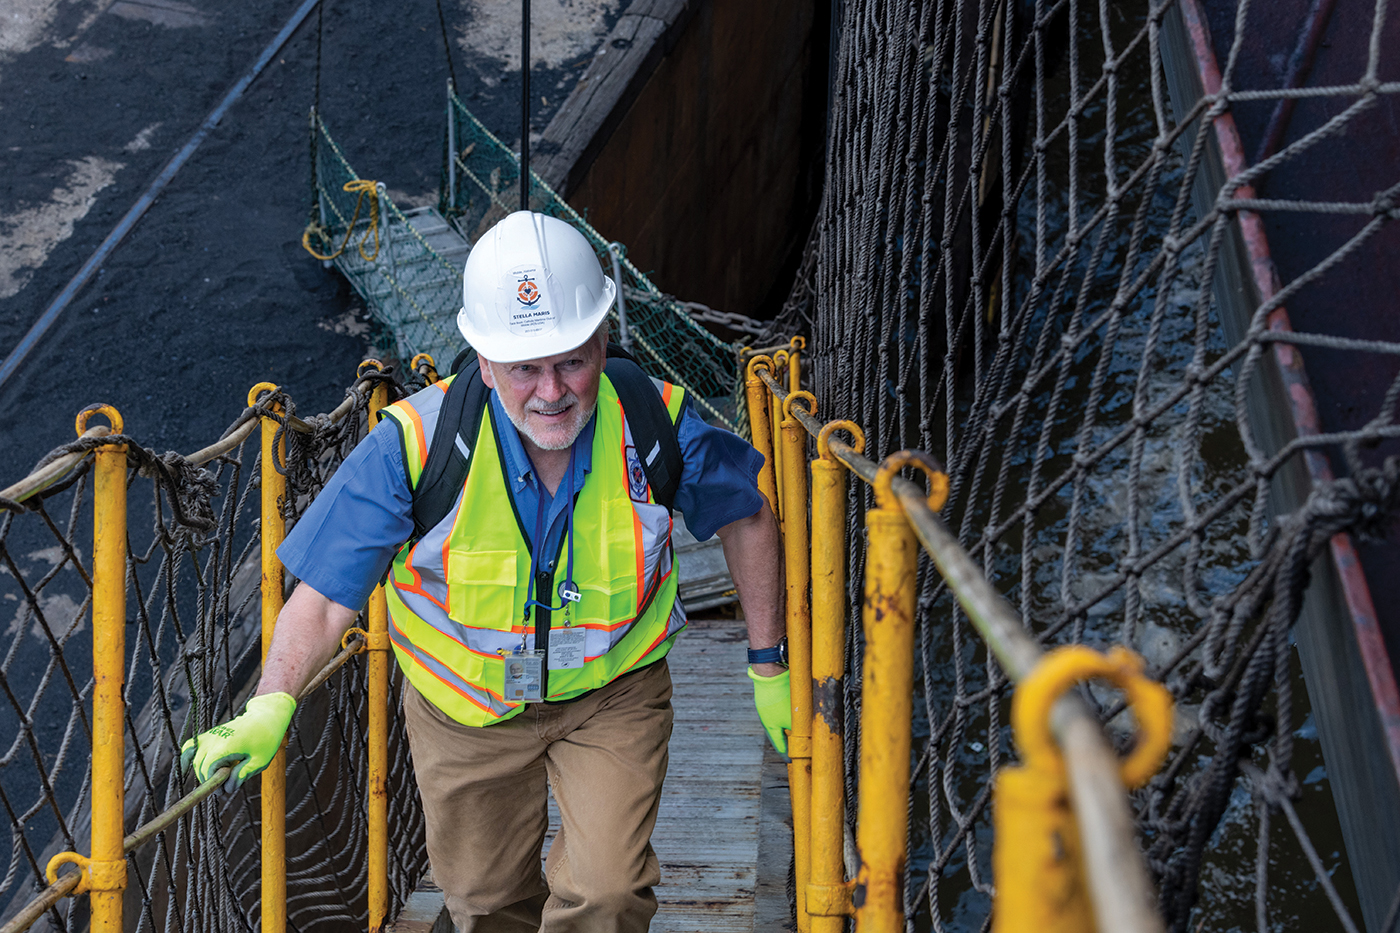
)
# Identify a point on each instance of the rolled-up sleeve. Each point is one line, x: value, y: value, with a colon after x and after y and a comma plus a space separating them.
x: 346, y: 539
x: 719, y: 477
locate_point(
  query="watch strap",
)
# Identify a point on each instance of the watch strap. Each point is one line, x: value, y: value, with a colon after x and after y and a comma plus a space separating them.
x: 777, y: 654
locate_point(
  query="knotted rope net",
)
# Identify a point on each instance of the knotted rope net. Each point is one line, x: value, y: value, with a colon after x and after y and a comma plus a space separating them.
x: 193, y: 648
x: 1025, y: 263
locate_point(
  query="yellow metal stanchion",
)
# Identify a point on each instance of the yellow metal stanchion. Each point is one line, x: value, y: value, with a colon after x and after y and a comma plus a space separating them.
x: 377, y: 644
x: 424, y: 365
x: 1040, y: 878
x: 887, y: 701
x: 775, y: 414
x: 274, y: 779
x: 828, y: 896
x: 760, y: 426
x: 799, y: 636
x: 795, y: 348
x: 103, y: 875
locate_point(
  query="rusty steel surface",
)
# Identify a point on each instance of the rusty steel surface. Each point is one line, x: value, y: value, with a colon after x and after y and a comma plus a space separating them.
x: 1323, y: 391
x: 1327, y: 390
x: 1340, y: 389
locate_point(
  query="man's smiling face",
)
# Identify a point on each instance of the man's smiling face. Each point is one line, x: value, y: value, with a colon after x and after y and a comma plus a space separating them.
x: 550, y: 399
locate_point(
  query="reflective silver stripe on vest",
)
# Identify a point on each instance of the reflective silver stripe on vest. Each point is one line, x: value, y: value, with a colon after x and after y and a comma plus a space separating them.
x: 481, y: 640
x: 425, y: 559
x: 428, y: 403
x: 657, y: 558
x: 446, y: 674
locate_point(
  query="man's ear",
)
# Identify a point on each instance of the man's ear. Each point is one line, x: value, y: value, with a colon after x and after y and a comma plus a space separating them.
x: 487, y: 376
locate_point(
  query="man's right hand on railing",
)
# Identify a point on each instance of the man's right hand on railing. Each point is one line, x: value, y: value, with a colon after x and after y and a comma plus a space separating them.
x: 250, y: 740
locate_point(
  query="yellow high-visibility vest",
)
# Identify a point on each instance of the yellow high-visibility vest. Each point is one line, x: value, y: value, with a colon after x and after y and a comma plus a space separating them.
x: 457, y: 595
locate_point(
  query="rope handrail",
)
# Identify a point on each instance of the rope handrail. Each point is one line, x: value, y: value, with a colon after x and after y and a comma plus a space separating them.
x: 185, y: 667
x: 56, y: 470
x: 1117, y: 876
x: 52, y: 472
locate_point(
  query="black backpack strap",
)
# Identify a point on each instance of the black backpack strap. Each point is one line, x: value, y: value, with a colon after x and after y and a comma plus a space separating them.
x: 463, y: 359
x: 450, y: 454
x: 652, y: 429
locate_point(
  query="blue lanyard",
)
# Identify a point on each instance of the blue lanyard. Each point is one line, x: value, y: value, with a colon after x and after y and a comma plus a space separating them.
x: 568, y: 592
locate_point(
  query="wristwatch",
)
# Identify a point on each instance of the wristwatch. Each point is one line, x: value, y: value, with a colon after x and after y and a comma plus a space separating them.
x: 774, y: 655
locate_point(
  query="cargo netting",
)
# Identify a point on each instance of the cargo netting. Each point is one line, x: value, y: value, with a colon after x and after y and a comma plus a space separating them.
x: 1019, y: 265
x: 193, y: 649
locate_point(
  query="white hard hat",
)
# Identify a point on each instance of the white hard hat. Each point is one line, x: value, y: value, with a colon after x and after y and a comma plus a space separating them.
x: 532, y: 287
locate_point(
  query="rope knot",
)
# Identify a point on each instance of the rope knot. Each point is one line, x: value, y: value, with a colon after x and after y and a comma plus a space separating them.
x: 190, y: 489
x: 1369, y: 497
x: 361, y: 187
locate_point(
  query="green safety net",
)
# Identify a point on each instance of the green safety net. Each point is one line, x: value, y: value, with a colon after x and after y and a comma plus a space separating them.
x: 407, y: 264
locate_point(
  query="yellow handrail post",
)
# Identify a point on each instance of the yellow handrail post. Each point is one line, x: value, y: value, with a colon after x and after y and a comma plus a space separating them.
x: 424, y: 365
x: 377, y: 645
x: 107, y: 868
x: 775, y: 414
x: 795, y: 347
x: 798, y: 572
x: 274, y: 779
x: 760, y: 426
x: 887, y: 700
x: 1041, y: 878
x: 828, y: 896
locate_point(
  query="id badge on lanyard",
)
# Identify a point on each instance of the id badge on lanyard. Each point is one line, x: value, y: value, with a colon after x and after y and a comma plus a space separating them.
x: 524, y: 676
x: 525, y: 669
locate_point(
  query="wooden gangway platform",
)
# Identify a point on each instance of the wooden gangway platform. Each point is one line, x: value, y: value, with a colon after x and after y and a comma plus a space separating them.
x: 723, y: 833
x: 711, y: 833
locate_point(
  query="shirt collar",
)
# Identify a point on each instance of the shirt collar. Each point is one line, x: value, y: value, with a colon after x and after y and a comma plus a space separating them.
x: 520, y: 472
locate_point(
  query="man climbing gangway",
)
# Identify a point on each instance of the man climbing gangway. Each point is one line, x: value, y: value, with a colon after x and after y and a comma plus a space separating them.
x: 533, y: 603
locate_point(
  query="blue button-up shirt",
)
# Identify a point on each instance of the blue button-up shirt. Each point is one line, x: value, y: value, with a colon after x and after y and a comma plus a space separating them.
x: 343, y: 544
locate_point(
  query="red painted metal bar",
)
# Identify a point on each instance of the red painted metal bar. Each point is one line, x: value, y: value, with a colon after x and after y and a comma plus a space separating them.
x: 1302, y: 407
x: 1340, y: 637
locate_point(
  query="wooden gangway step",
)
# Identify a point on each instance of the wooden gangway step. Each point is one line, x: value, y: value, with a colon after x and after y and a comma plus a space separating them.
x: 707, y: 830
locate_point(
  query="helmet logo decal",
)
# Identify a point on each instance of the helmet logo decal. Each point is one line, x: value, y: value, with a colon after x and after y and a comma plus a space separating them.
x: 530, y: 312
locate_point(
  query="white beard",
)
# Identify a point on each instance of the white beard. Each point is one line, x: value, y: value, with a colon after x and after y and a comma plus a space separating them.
x: 570, y: 430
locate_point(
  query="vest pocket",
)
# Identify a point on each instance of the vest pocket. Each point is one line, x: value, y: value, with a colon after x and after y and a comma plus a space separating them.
x: 610, y: 596
x: 481, y: 588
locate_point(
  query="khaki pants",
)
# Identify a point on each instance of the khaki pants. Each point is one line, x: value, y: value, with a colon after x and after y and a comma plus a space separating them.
x: 484, y: 801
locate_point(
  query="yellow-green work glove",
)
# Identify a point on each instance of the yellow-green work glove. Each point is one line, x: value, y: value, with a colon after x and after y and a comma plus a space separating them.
x: 774, y: 702
x: 252, y: 739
